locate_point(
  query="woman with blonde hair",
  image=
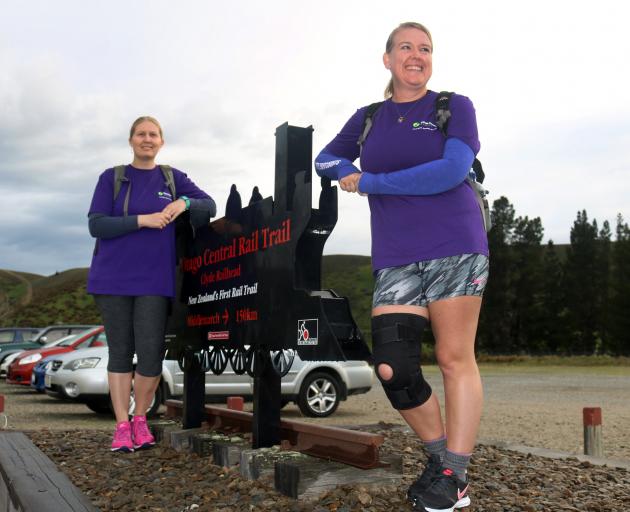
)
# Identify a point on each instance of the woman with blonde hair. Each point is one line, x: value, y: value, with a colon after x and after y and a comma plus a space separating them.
x: 429, y: 256
x: 132, y: 275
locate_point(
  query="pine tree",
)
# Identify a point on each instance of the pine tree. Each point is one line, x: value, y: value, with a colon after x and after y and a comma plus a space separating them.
x: 581, y: 286
x: 601, y: 301
x: 494, y: 324
x: 553, y: 321
x: 527, y: 312
x: 618, y: 341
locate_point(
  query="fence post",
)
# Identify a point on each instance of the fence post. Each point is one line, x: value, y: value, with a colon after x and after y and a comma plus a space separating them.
x: 235, y: 403
x: 592, y: 417
x: 1, y: 403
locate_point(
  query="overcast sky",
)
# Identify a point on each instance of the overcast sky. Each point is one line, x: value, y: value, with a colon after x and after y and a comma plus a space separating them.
x: 549, y: 81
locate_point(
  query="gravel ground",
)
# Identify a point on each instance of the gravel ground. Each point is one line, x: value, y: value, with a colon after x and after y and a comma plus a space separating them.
x: 534, y: 406
x: 539, y: 407
x: 162, y: 479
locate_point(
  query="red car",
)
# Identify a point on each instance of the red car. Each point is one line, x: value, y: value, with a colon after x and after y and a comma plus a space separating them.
x: 21, y: 368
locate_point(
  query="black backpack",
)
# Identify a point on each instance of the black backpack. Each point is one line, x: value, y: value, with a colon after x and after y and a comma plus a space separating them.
x: 119, y: 178
x: 442, y: 117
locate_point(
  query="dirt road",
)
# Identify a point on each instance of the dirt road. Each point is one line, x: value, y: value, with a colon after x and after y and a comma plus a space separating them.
x: 28, y: 294
x: 539, y: 407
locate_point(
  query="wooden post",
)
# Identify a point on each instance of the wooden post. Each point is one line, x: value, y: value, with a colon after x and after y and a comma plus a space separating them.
x: 1, y: 403
x: 266, y: 417
x: 235, y: 403
x: 194, y: 394
x: 592, y: 417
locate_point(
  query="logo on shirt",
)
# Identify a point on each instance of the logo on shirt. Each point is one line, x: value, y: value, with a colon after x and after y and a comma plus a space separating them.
x: 423, y: 125
x: 165, y: 195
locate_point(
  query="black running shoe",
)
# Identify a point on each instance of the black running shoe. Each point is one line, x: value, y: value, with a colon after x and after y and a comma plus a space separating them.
x: 445, y: 494
x: 431, y: 469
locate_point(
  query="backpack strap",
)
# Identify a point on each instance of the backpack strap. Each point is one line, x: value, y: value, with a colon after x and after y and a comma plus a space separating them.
x: 442, y: 117
x: 367, y: 122
x: 479, y: 174
x: 167, y: 172
x: 119, y: 178
x: 442, y: 112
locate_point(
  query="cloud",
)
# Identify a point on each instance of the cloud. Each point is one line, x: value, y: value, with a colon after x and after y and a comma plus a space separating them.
x: 545, y: 78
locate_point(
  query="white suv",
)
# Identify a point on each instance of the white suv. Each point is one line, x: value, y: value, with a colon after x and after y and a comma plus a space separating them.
x: 316, y: 387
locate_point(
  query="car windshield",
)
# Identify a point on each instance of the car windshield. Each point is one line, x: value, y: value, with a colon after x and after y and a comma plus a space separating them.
x: 69, y: 340
x: 64, y: 342
x: 60, y: 340
x: 89, y: 342
x: 30, y: 335
x: 56, y: 342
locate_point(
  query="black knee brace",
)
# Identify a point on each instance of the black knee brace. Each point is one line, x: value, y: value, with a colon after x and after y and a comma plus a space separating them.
x: 396, y: 341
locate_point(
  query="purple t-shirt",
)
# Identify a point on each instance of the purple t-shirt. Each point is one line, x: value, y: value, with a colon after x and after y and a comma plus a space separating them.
x: 141, y: 262
x: 408, y: 228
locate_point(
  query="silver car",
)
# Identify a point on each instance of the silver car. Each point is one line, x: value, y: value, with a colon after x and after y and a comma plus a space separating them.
x: 316, y: 387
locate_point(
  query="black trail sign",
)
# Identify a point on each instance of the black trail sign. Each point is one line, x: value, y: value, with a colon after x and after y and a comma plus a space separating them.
x: 251, y: 288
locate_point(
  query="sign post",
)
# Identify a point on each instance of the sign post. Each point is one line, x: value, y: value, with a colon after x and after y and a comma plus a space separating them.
x: 252, y: 294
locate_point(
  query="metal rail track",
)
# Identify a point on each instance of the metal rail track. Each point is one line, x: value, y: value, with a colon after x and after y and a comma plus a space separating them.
x: 359, y: 449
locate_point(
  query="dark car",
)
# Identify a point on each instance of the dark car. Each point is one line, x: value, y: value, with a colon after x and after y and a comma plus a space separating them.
x: 17, y: 334
x: 41, y: 338
x: 54, y: 332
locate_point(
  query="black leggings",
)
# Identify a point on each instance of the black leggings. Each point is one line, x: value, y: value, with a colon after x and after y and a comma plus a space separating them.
x: 135, y: 325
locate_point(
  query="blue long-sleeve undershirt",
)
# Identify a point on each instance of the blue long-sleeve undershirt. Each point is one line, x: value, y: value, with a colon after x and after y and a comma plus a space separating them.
x: 428, y: 178
x: 334, y: 167
x: 106, y: 226
x: 109, y: 226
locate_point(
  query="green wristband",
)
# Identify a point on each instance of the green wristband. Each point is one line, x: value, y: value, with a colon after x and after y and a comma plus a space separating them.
x: 186, y: 200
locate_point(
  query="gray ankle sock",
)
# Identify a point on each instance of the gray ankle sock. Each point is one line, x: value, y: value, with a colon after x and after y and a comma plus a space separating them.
x: 436, y: 447
x: 457, y: 462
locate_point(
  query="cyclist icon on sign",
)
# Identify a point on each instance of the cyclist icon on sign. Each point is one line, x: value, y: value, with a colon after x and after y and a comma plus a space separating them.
x: 307, y: 332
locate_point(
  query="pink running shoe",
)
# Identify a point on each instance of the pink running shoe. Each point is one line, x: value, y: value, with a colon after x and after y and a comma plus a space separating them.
x: 142, y: 437
x: 122, y: 438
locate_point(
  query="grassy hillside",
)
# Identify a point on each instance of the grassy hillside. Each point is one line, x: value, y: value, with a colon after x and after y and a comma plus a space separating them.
x: 351, y: 276
x: 60, y: 298
x: 8, y: 279
x: 14, y: 289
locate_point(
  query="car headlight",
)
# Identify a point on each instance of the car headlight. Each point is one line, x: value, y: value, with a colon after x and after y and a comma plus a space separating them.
x: 80, y: 364
x: 33, y: 358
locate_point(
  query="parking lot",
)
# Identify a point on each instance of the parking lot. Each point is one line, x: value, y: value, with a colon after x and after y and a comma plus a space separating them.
x: 527, y: 405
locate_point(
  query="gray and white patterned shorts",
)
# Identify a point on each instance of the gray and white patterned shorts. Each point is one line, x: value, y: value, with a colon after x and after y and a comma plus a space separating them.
x: 418, y: 284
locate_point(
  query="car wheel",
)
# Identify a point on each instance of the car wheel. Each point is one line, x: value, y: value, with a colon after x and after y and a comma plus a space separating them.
x: 153, y: 406
x: 319, y: 395
x: 99, y: 406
